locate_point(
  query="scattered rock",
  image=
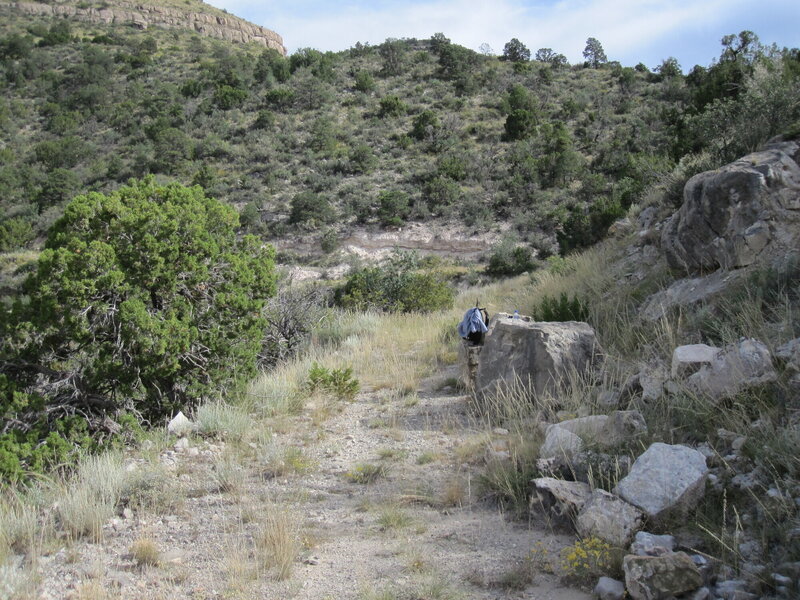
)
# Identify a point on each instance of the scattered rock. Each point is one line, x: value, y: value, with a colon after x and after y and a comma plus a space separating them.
x: 540, y: 355
x: 665, y: 480
x: 607, y: 517
x: 180, y: 425
x: 182, y: 444
x: 609, y: 589
x: 687, y: 360
x: 660, y: 577
x: 608, y: 399
x: 647, y: 544
x: 589, y: 429
x: 559, y: 498
x: 733, y: 369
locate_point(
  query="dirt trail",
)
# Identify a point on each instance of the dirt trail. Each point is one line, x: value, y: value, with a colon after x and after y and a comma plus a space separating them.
x: 418, y: 532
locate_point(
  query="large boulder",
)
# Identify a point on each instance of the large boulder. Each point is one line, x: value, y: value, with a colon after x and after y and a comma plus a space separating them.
x: 744, y: 212
x: 660, y: 577
x: 539, y: 355
x: 665, y: 481
x: 733, y: 369
x: 606, y: 431
x: 607, y: 517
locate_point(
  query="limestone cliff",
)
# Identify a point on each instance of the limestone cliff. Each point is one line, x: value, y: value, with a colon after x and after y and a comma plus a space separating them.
x: 222, y: 26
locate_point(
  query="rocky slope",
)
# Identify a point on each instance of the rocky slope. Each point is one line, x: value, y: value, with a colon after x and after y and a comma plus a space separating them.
x: 143, y: 16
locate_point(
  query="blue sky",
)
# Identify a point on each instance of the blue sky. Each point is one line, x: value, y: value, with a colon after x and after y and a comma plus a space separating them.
x: 631, y: 32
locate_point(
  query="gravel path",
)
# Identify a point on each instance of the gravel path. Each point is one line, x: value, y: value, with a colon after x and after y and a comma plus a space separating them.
x: 419, y: 531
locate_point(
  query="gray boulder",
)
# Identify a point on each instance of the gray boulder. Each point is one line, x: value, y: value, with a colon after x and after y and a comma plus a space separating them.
x: 790, y: 354
x: 687, y: 292
x: 660, y: 577
x: 609, y: 589
x: 542, y: 356
x: 744, y: 212
x: 665, y: 480
x: 687, y: 360
x: 589, y: 429
x: 180, y: 425
x: 558, y: 498
x: 607, y: 517
x: 561, y: 444
x: 735, y: 368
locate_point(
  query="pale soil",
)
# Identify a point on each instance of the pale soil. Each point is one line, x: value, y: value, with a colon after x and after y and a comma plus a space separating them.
x: 458, y: 551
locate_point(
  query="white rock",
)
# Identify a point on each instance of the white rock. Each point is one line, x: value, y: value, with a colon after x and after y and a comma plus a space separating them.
x: 180, y: 425
x: 665, y: 480
x: 687, y: 360
x: 563, y: 499
x: 181, y: 444
x: 647, y: 544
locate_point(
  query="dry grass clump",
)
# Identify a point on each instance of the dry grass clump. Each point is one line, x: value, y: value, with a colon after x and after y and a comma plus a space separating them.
x: 229, y: 475
x: 145, y: 553
x: 223, y: 420
x: 366, y: 473
x: 393, y: 517
x: 277, y: 542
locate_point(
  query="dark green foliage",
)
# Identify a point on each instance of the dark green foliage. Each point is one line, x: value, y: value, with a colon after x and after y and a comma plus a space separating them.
x: 520, y: 124
x: 585, y: 226
x: 393, y: 208
x: 58, y: 186
x: 392, y: 106
x: 361, y: 160
x: 554, y: 59
x: 280, y: 98
x: 561, y: 309
x: 516, y: 51
x: 395, y: 286
x: 441, y: 192
x: 227, y: 97
x: 15, y: 233
x: 394, y: 54
x: 364, y: 81
x: 337, y: 382
x: 311, y: 210
x: 265, y: 119
x: 508, y: 258
x: 143, y: 299
x: 594, y: 54
x: 425, y: 124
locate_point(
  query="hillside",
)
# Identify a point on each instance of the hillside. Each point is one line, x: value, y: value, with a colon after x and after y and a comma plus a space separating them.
x: 317, y: 147
x: 342, y: 440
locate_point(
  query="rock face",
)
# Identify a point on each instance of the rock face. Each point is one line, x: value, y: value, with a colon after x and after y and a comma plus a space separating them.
x: 539, y: 355
x: 665, y: 481
x: 607, y: 517
x: 736, y: 367
x: 739, y: 214
x: 660, y: 577
x: 142, y: 16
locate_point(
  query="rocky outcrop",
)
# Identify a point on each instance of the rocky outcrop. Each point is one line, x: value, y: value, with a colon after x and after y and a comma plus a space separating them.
x: 561, y: 500
x: 142, y: 16
x: 541, y: 356
x: 665, y: 481
x: 735, y: 216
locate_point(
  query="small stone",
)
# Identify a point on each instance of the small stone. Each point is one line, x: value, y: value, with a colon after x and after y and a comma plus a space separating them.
x: 738, y: 443
x: 609, y: 589
x: 311, y: 560
x: 702, y: 594
x: 174, y: 556
x: 500, y: 431
x: 781, y: 579
x: 193, y: 451
x: 560, y: 443
x: 127, y: 513
x: 181, y: 444
x: 608, y: 399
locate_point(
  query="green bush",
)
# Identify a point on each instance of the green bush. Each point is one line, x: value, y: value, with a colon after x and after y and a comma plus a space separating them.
x: 338, y: 382
x: 143, y: 299
x: 392, y: 106
x: 310, y: 209
x: 561, y: 309
x: 393, y: 208
x: 395, y: 286
x: 508, y: 259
